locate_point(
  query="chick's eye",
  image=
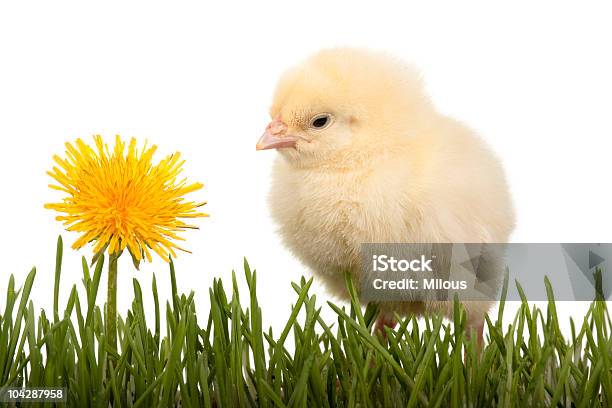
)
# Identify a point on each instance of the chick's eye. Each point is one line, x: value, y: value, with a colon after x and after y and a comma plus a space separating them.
x: 320, y: 121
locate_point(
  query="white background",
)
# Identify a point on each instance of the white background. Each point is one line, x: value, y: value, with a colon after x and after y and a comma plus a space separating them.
x: 534, y: 79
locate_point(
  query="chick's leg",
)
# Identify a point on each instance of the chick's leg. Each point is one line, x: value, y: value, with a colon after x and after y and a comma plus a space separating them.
x: 384, y: 321
x: 476, y: 311
x: 476, y: 328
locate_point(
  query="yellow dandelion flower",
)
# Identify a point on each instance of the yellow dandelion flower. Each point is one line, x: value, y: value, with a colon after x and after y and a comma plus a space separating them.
x: 119, y: 199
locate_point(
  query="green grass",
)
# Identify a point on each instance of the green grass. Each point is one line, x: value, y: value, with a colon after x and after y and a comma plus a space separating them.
x: 230, y: 358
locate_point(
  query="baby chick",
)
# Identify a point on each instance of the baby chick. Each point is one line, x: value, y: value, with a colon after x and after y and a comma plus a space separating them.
x: 365, y: 157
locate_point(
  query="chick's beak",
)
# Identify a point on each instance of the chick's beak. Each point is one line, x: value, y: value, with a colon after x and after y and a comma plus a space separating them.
x: 276, y: 137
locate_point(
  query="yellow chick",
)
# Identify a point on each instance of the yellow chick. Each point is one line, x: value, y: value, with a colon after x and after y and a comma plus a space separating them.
x: 365, y: 157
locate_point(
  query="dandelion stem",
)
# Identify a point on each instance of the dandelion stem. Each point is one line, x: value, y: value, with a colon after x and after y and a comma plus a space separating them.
x: 111, y: 302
